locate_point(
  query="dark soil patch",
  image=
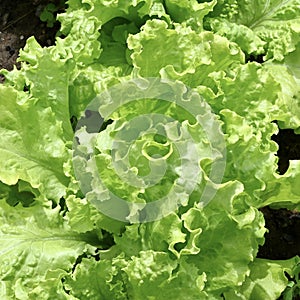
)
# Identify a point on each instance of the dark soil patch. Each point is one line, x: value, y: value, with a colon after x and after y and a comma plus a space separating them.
x: 283, y: 238
x: 289, y: 148
x: 19, y: 20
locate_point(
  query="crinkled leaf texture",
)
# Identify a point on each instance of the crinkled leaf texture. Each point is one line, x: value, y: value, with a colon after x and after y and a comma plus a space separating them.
x: 48, y: 248
x: 270, y: 27
x: 191, y: 56
x: 33, y: 147
x: 267, y: 280
x: 37, y: 249
x: 180, y: 253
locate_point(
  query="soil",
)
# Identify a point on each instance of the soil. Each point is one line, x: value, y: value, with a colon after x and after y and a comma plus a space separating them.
x: 19, y: 20
x: 283, y: 238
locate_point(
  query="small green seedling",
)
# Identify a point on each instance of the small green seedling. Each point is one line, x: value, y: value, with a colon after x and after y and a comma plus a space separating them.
x: 48, y: 14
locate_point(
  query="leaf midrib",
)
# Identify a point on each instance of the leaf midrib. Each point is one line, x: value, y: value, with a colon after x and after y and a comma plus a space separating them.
x: 267, y: 14
x: 40, y: 163
x: 40, y: 239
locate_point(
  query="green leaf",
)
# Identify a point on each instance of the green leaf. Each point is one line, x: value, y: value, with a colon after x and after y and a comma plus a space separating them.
x: 47, y: 15
x: 199, y: 55
x: 155, y: 269
x: 284, y: 190
x: 82, y: 217
x: 68, y: 248
x: 96, y: 280
x: 247, y: 99
x: 33, y: 146
x: 292, y: 62
x: 191, y: 12
x: 46, y: 77
x: 37, y: 249
x: 231, y: 233
x: 287, y: 75
x: 267, y: 280
x: 271, y: 28
x: 89, y: 82
x: 153, y: 236
x: 18, y: 193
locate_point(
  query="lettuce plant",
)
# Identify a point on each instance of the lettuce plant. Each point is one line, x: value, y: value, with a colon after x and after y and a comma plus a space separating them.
x: 228, y: 77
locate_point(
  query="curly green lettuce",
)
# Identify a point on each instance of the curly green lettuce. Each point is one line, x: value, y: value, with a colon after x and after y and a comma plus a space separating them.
x: 56, y: 244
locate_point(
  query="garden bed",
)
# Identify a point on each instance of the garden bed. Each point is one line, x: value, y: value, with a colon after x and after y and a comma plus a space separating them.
x: 20, y: 19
